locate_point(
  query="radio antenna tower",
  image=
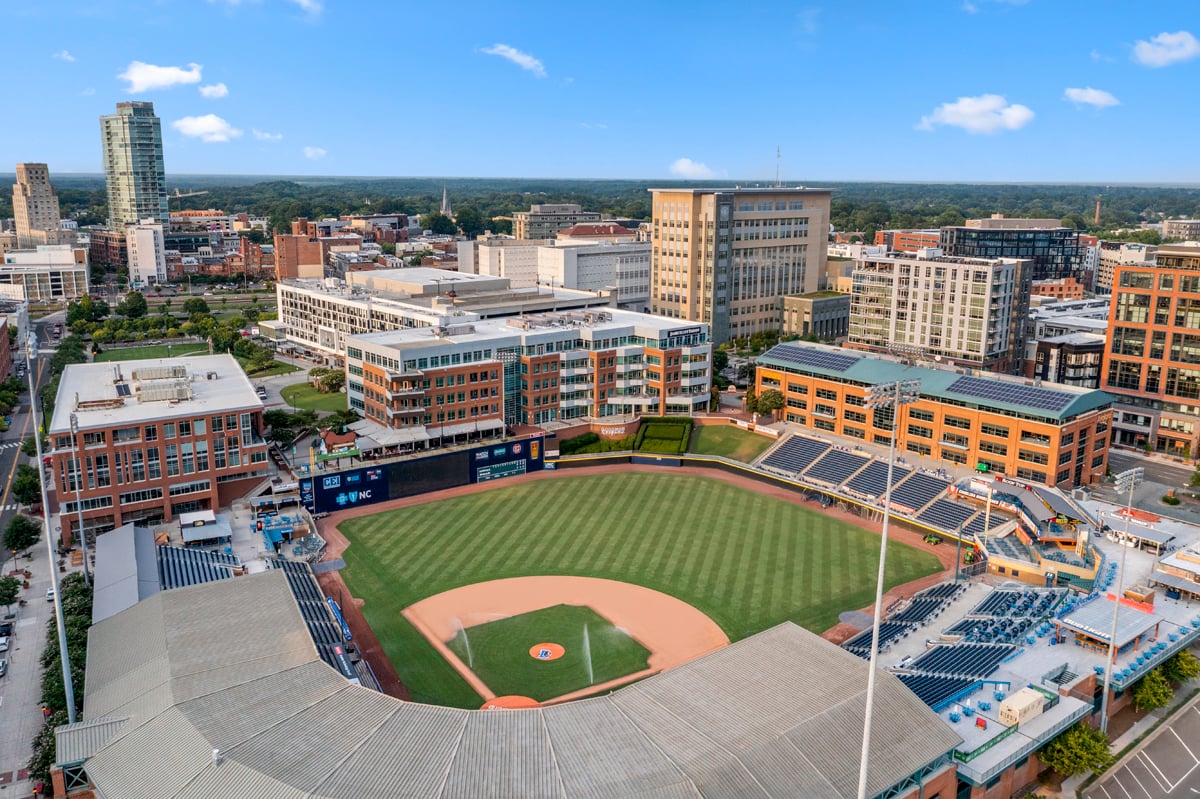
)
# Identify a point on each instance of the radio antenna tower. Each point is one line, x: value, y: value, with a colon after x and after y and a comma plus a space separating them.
x: 778, y: 155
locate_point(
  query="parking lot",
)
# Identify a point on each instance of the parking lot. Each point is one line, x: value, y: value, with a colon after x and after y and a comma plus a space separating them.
x: 1164, y: 766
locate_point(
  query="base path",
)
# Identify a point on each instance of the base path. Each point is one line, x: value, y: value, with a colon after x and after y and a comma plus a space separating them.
x: 673, y: 631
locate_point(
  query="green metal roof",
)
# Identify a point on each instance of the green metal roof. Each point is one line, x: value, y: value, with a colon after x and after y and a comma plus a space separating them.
x: 935, y: 383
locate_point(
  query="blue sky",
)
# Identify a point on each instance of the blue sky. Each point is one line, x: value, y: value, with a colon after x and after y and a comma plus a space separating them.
x: 970, y: 90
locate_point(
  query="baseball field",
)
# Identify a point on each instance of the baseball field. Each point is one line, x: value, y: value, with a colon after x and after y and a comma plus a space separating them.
x: 744, y: 560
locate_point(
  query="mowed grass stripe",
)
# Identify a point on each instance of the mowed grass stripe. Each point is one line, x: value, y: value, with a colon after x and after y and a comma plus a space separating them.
x: 746, y: 560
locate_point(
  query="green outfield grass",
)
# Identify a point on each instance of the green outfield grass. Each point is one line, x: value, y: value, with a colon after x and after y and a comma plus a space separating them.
x: 303, y: 395
x: 152, y: 351
x: 499, y: 652
x: 730, y: 441
x: 746, y: 560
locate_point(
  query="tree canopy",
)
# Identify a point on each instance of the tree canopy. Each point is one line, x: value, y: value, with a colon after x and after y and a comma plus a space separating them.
x: 1076, y: 750
x: 1153, y: 691
x: 27, y: 485
x: 22, y: 533
x: 134, y: 306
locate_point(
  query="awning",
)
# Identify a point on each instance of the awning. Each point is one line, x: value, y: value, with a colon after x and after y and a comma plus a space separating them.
x: 482, y: 426
x: 208, y: 532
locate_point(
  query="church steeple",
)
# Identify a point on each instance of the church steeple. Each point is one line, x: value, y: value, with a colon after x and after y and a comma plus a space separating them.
x: 446, y: 210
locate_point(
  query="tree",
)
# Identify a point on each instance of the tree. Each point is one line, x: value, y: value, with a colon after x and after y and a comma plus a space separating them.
x: 720, y: 360
x: 769, y: 402
x: 1181, y: 667
x: 10, y: 590
x: 389, y: 248
x: 254, y: 234
x: 439, y: 223
x: 195, y: 305
x: 27, y: 485
x: 22, y: 533
x: 134, y: 306
x: 751, y: 400
x: 1077, y: 749
x: 1153, y: 691
x: 331, y: 382
x: 470, y: 221
x: 29, y: 447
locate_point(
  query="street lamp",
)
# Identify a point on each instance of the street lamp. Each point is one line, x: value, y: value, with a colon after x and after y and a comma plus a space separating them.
x: 1127, y: 480
x: 886, y: 395
x: 87, y: 575
x: 68, y: 688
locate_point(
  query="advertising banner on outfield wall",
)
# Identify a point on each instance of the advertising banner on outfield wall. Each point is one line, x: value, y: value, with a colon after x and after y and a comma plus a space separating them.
x: 333, y: 491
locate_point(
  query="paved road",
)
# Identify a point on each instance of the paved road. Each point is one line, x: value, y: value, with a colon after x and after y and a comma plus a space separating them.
x: 1166, y: 473
x: 1165, y: 766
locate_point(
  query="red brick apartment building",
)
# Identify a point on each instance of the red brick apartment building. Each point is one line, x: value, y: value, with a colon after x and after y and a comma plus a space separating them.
x: 154, y: 439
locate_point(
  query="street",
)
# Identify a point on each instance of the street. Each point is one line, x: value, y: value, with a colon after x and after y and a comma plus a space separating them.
x: 1163, y: 766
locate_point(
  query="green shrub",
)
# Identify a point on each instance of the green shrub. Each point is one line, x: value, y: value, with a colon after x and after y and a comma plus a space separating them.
x: 665, y: 434
x: 1171, y: 500
x: 572, y: 445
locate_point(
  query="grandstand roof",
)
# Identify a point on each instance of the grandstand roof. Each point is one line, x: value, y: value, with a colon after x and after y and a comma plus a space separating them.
x: 935, y: 383
x: 229, y: 666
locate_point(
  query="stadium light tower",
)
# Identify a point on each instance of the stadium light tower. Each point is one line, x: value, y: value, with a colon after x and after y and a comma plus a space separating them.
x: 78, y: 444
x: 1127, y: 481
x: 68, y: 688
x: 886, y: 395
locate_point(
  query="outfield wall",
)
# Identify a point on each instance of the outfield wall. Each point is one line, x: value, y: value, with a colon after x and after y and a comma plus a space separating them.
x: 380, y: 482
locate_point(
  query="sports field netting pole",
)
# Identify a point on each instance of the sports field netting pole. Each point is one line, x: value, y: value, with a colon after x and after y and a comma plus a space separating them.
x: 1126, y: 481
x: 894, y: 396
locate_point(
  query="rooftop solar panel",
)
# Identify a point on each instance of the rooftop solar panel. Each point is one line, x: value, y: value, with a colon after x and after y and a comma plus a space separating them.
x: 811, y: 356
x: 1012, y: 393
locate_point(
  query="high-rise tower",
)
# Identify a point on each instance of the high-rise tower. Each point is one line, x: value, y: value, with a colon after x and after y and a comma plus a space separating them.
x: 133, y: 165
x: 35, y: 206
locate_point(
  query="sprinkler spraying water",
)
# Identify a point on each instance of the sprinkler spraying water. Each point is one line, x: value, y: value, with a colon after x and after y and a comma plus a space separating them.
x: 587, y: 654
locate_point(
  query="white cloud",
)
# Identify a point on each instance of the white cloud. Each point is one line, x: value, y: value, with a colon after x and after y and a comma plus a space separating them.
x: 523, y: 60
x: 143, y: 77
x: 1099, y: 56
x: 1089, y: 96
x: 970, y: 7
x: 63, y: 55
x: 311, y: 6
x: 1166, y: 49
x: 88, y: 92
x: 209, y: 128
x: 692, y: 170
x: 809, y: 20
x: 987, y: 113
x: 262, y: 135
x: 313, y: 153
x: 214, y: 91
x: 594, y: 125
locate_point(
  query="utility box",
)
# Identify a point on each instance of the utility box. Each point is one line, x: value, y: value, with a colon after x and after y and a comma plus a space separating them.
x: 1022, y: 706
x: 1140, y: 593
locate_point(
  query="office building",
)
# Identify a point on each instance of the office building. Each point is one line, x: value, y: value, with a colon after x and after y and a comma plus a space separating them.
x: 50, y: 272
x: 35, y: 207
x: 1152, y: 365
x: 133, y: 166
x: 622, y: 268
x: 824, y: 314
x: 728, y: 257
x: 154, y: 439
x: 545, y: 220
x: 1054, y: 249
x: 147, y: 254
x: 1120, y: 253
x: 466, y: 379
x: 515, y: 260
x: 1181, y: 229
x: 609, y: 232
x: 908, y: 240
x: 1073, y: 359
x: 317, y: 316
x: 1052, y: 435
x: 1058, y: 288
x: 968, y: 311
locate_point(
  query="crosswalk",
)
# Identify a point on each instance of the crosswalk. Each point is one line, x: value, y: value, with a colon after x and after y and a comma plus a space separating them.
x: 9, y: 506
x: 9, y: 444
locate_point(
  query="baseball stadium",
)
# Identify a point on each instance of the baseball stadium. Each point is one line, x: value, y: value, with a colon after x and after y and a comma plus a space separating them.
x: 609, y: 625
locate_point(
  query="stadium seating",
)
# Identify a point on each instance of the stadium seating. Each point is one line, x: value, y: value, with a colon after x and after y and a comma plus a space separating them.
x: 796, y: 454
x: 963, y: 660
x: 944, y: 514
x: 889, y: 633
x: 835, y: 466
x: 935, y: 691
x: 920, y: 611
x: 918, y: 490
x: 872, y: 481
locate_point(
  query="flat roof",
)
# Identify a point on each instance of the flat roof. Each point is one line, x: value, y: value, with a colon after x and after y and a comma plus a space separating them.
x: 1059, y: 401
x: 748, y: 190
x: 1094, y: 619
x: 114, y: 393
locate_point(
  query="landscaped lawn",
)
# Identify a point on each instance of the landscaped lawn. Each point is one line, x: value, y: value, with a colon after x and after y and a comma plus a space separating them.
x: 499, y: 652
x: 746, y: 560
x: 303, y: 395
x: 276, y: 368
x: 152, y: 351
x: 730, y: 441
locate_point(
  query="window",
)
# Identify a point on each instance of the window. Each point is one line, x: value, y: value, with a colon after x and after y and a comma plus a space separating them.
x: 185, y: 428
x: 194, y: 487
x: 168, y: 430
x: 853, y: 432
x: 218, y: 424
x: 102, y: 477
x: 152, y: 464
x: 152, y: 432
x: 823, y: 424
x: 826, y: 394
x: 145, y: 495
x: 1030, y: 456
x: 920, y: 431
x: 958, y: 421
x: 994, y: 430
x: 920, y: 415
x: 918, y: 447
x: 172, y: 460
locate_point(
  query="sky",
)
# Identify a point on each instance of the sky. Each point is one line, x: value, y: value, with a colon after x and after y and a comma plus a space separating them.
x: 895, y: 90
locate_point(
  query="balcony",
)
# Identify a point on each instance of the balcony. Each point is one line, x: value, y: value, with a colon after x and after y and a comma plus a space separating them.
x: 695, y: 366
x: 634, y: 382
x: 954, y: 445
x: 575, y: 371
x: 689, y: 381
x: 632, y: 366
x: 405, y: 390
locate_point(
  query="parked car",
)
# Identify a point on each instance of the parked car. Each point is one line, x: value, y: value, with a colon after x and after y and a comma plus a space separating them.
x: 3, y: 667
x: 49, y: 594
x: 4, y: 641
x: 6, y: 628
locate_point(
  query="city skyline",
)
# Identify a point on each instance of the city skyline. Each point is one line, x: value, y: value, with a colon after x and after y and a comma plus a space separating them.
x: 997, y: 91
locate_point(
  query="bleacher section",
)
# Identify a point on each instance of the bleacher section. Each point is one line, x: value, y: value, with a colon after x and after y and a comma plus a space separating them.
x: 908, y: 615
x: 179, y: 567
x: 962, y: 660
x: 937, y: 691
x: 1008, y: 547
x: 1007, y: 615
x: 872, y: 481
x: 981, y: 523
x: 796, y: 454
x: 917, y: 491
x: 889, y: 633
x: 946, y: 514
x: 835, y: 466
x: 920, y: 610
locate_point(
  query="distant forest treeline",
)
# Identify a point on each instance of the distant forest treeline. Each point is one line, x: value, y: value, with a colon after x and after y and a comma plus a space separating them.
x: 856, y: 206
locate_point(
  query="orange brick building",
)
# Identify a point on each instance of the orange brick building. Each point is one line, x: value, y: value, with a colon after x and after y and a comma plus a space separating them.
x: 1055, y: 435
x: 908, y: 240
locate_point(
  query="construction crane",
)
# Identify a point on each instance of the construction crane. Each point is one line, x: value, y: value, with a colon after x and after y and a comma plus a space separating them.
x: 179, y: 195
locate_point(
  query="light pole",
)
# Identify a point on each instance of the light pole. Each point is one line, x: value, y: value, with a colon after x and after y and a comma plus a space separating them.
x: 1127, y: 480
x: 886, y: 395
x: 68, y: 688
x: 87, y: 574
x: 958, y: 554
